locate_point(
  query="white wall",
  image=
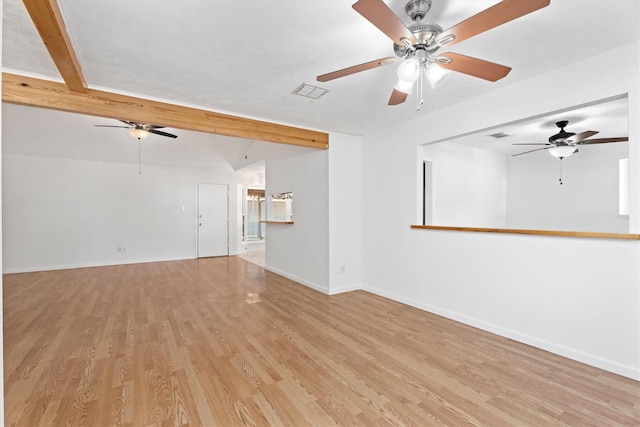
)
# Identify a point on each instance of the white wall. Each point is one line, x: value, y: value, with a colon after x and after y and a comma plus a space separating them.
x: 62, y: 213
x: 86, y: 179
x: 586, y: 201
x: 469, y: 186
x: 323, y: 248
x: 574, y: 296
x: 345, y: 212
x: 300, y: 251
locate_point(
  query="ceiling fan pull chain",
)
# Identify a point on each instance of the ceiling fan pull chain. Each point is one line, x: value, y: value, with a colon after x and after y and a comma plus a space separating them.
x: 139, y: 157
x: 419, y: 97
x: 560, y: 172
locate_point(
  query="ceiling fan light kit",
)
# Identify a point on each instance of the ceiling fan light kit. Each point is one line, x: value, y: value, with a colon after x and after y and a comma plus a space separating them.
x: 409, y: 70
x: 418, y: 43
x: 436, y: 75
x: 404, y: 86
x: 562, y: 151
x: 138, y: 133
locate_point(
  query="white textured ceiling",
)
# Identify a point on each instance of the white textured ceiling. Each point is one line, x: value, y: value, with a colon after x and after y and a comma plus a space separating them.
x: 246, y: 57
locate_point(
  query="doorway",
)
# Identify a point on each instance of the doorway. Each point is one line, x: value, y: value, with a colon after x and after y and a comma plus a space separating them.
x: 213, y: 220
x: 427, y: 192
x: 254, y: 228
x: 256, y: 213
x: 254, y: 210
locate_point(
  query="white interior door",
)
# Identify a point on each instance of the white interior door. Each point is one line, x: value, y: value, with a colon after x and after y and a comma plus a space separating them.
x: 213, y: 220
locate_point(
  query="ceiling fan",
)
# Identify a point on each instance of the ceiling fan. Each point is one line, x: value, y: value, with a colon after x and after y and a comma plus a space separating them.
x: 417, y: 44
x: 563, y: 144
x: 140, y: 130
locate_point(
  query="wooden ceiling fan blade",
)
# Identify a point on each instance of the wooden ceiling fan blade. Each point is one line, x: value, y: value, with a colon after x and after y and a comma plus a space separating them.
x: 127, y: 123
x: 379, y: 14
x: 397, y: 97
x: 473, y: 66
x: 501, y: 13
x: 355, y: 69
x: 582, y: 135
x: 604, y: 140
x: 159, y: 132
x: 531, y: 151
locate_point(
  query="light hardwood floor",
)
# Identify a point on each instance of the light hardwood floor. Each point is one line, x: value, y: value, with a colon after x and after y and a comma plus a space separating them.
x: 255, y: 252
x: 221, y: 341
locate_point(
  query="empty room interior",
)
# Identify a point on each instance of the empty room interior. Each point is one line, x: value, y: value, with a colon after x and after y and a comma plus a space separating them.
x: 314, y: 213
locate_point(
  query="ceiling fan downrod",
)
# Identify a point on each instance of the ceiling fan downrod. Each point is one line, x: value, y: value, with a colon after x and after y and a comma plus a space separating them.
x: 417, y: 9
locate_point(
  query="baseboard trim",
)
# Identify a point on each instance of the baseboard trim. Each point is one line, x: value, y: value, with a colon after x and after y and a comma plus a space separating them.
x: 343, y: 289
x: 306, y: 283
x: 589, y: 359
x: 90, y: 264
x: 314, y: 286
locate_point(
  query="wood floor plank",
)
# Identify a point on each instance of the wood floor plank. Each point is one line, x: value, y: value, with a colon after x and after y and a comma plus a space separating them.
x: 222, y: 342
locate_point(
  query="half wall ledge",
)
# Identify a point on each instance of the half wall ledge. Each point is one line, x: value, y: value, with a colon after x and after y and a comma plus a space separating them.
x: 276, y: 222
x: 619, y: 236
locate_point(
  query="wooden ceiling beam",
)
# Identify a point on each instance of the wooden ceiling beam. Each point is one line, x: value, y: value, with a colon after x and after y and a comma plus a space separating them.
x: 47, y: 94
x: 47, y: 18
x: 77, y: 98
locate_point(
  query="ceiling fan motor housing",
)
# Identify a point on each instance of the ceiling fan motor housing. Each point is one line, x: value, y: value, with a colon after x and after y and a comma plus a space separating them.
x: 426, y: 35
x: 561, y: 136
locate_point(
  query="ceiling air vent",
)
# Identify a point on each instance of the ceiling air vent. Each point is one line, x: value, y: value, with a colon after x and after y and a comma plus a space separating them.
x: 309, y: 91
x: 499, y: 135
